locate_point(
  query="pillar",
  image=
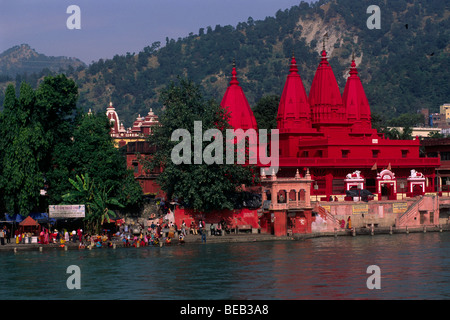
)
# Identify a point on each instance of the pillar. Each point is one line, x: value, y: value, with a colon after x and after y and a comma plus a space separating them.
x: 308, y: 216
x: 432, y: 182
x: 329, y: 184
x: 273, y: 194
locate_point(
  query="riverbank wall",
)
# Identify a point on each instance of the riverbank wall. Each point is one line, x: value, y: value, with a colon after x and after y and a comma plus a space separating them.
x: 237, y: 238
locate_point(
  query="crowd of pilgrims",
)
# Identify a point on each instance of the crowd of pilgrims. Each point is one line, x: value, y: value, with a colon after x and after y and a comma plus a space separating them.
x: 155, y: 234
x: 158, y: 234
x: 63, y: 237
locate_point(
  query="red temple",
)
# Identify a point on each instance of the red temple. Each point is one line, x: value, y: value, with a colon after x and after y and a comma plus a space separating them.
x: 237, y: 106
x: 327, y: 147
x: 333, y: 137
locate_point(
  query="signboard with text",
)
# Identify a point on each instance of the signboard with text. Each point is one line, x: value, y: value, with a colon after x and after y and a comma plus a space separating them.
x: 360, y: 209
x: 67, y: 211
x: 399, y: 207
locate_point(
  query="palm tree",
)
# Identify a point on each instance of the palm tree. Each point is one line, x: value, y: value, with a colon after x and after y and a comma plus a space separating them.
x: 97, y: 201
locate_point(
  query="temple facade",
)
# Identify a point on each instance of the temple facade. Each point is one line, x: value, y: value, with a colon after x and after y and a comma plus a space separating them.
x: 142, y: 127
x: 331, y: 135
x: 133, y: 139
x: 328, y: 150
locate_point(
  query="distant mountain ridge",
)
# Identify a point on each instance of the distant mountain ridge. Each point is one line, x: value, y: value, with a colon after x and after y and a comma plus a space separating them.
x: 23, y: 59
x: 404, y: 66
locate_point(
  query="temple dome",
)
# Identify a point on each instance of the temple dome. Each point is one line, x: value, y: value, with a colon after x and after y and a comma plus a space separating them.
x: 325, y: 97
x: 294, y: 112
x: 241, y: 115
x: 113, y: 117
x: 355, y: 100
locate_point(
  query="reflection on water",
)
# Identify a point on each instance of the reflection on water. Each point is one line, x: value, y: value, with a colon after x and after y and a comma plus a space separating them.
x: 413, y: 266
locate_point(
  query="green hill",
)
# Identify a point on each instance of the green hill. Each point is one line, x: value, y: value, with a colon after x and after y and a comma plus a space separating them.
x: 23, y: 59
x: 404, y: 65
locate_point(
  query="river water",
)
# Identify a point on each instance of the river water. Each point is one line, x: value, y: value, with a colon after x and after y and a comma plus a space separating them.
x: 412, y: 266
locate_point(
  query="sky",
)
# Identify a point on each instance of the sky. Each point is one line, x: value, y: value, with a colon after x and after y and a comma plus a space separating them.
x: 110, y: 27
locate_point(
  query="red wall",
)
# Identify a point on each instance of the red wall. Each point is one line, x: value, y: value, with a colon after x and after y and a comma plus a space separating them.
x: 233, y: 218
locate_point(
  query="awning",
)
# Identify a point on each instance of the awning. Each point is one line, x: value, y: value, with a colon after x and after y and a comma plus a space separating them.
x: 29, y: 222
x: 40, y: 217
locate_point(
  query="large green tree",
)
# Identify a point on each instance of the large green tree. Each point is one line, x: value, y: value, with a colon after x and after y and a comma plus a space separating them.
x: 91, y: 152
x: 22, y: 147
x: 265, y: 112
x: 30, y: 127
x: 56, y: 99
x: 202, y: 186
x: 45, y: 142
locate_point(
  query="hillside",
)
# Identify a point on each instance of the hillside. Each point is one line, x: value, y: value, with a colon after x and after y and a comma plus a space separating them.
x: 23, y: 59
x: 404, y: 65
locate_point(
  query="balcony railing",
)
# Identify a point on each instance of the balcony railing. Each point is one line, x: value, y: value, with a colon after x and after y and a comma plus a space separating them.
x: 398, y: 162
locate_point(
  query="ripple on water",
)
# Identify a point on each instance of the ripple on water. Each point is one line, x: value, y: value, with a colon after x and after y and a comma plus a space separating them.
x: 413, y: 266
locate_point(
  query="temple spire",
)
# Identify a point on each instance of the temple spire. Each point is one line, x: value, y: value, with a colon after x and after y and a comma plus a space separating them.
x: 324, y: 59
x: 234, y: 80
x: 355, y: 100
x: 113, y: 117
x: 293, y: 67
x: 294, y: 110
x: 325, y: 97
x: 353, y: 70
x: 234, y: 100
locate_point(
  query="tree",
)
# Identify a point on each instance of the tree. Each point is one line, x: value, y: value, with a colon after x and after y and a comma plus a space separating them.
x: 22, y: 147
x: 395, y: 134
x: 42, y: 139
x: 204, y: 187
x: 435, y: 135
x: 31, y: 126
x: 407, y: 120
x: 97, y: 200
x: 265, y: 112
x: 91, y: 152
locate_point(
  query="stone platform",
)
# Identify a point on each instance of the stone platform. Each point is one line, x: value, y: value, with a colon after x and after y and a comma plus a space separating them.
x: 241, y: 238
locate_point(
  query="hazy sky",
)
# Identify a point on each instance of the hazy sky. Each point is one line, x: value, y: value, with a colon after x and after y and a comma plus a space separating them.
x: 110, y: 27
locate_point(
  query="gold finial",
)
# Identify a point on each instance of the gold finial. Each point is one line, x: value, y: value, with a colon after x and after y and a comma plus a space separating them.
x: 234, y: 62
x: 353, y: 55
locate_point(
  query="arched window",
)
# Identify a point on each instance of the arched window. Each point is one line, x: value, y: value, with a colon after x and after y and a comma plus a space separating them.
x: 292, y: 195
x: 302, y: 195
x: 282, y: 196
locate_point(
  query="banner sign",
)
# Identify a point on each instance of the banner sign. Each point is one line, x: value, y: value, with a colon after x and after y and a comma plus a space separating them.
x: 360, y: 209
x: 399, y: 207
x: 66, y: 211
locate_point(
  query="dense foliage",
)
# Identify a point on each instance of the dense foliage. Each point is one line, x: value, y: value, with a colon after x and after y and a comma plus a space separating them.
x: 44, y: 143
x: 96, y: 199
x: 202, y: 186
x: 403, y: 69
x: 265, y: 112
x: 405, y: 64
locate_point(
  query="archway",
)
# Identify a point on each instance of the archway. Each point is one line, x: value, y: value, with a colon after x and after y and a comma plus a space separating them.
x: 302, y: 195
x: 292, y: 195
x: 282, y: 196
